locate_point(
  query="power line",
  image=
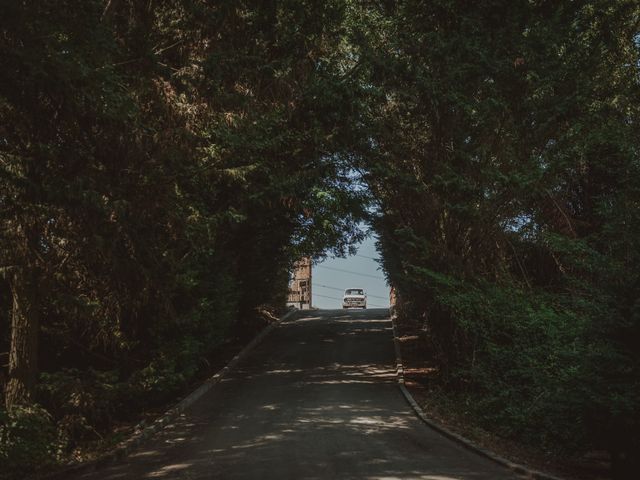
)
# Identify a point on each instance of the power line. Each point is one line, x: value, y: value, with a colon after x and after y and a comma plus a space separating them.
x: 339, y: 299
x: 326, y: 286
x: 352, y: 273
x: 342, y: 290
x: 326, y: 296
x: 364, y: 256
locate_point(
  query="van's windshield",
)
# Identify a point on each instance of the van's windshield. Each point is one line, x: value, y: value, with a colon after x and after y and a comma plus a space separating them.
x: 354, y: 291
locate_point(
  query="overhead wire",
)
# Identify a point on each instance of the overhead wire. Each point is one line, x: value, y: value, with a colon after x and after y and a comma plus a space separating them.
x: 351, y: 272
x: 342, y: 290
x: 364, y: 256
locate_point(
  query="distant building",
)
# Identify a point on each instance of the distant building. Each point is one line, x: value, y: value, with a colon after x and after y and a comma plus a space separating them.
x: 393, y: 300
x: 300, y: 285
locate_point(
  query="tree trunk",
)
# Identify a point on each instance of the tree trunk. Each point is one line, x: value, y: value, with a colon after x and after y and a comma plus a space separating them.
x: 23, y: 353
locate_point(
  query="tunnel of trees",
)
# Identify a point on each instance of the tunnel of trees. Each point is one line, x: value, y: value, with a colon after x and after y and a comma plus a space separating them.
x: 163, y: 164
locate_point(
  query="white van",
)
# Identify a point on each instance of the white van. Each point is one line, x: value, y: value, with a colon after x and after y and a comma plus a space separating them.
x: 354, y: 298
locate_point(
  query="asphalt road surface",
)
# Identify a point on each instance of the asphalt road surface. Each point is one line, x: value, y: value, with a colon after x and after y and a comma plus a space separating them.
x: 317, y: 399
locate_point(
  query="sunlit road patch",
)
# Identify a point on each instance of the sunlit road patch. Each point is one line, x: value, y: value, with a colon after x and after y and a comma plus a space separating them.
x: 317, y: 399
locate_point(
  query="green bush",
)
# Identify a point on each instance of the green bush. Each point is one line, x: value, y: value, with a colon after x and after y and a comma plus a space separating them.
x: 27, y: 440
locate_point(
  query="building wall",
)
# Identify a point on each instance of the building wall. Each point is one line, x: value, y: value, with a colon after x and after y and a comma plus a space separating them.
x: 300, y: 286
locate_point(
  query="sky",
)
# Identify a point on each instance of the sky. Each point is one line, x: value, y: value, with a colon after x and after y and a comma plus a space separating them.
x: 331, y: 277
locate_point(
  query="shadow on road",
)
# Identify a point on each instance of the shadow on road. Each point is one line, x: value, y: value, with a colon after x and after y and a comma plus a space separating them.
x: 316, y: 400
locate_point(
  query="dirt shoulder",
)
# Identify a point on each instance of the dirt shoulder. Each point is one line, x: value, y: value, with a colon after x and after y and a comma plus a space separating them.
x: 421, y: 379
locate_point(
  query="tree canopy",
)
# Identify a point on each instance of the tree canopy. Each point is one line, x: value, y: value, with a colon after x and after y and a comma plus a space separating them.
x: 164, y: 164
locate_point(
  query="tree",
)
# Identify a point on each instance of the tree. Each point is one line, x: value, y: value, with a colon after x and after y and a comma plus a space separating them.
x: 504, y: 157
x: 151, y: 152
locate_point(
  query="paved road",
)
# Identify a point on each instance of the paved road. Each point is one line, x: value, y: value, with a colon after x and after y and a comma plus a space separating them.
x: 316, y: 400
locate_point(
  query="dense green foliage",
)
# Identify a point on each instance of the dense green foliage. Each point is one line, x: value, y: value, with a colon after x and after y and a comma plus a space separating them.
x: 508, y: 172
x: 163, y: 164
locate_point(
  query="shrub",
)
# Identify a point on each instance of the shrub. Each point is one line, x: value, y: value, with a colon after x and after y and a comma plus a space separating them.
x: 27, y: 440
